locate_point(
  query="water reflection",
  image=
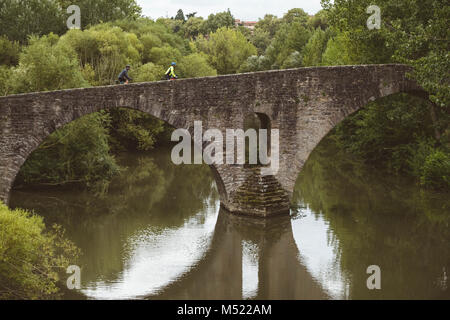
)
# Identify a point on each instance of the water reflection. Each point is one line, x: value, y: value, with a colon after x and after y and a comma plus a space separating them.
x: 248, y: 258
x: 319, y: 253
x: 155, y: 222
x: 153, y: 258
x: 159, y: 234
x: 250, y: 269
x: 372, y: 218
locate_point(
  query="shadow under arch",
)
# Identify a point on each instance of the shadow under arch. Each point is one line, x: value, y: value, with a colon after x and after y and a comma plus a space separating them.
x: 50, y: 126
x: 336, y: 118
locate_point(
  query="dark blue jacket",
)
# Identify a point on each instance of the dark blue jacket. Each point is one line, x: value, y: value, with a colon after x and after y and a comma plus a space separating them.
x: 124, y: 75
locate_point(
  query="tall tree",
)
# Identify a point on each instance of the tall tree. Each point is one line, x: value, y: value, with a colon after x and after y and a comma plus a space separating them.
x: 94, y: 12
x: 296, y: 14
x: 21, y: 18
x: 228, y: 49
x: 315, y: 48
x: 219, y: 20
x: 412, y: 31
x: 191, y: 15
x: 180, y: 16
x: 269, y: 24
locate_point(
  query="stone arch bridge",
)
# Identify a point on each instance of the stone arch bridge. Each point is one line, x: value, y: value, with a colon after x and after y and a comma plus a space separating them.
x: 303, y: 104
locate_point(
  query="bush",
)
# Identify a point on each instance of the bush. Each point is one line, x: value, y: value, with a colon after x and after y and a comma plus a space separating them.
x: 380, y: 133
x: 9, y: 52
x: 227, y: 50
x: 195, y: 65
x: 149, y: 72
x: 134, y: 130
x: 47, y: 65
x: 418, y: 154
x: 436, y: 171
x: 31, y: 257
x: 5, y: 83
x: 77, y: 153
x: 255, y: 63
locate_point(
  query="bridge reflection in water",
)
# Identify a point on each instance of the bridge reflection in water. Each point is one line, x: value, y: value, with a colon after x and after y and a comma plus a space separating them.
x: 155, y: 236
x: 256, y: 259
x: 159, y: 233
x: 210, y: 255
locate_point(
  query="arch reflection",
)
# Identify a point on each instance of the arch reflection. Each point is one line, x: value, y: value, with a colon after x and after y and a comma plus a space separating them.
x: 248, y: 259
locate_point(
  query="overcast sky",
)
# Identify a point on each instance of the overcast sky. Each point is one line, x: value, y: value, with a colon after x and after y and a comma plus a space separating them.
x: 247, y: 10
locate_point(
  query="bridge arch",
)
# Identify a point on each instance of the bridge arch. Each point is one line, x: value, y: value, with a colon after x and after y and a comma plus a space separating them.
x: 45, y: 126
x: 421, y: 95
x: 303, y: 104
x: 312, y: 129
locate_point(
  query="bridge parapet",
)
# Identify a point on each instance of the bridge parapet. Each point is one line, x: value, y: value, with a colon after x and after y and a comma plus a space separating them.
x: 303, y: 104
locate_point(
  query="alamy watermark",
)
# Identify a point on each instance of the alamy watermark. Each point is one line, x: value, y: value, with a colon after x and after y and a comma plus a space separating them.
x: 374, y: 21
x: 74, y: 21
x: 374, y: 281
x: 74, y: 281
x: 235, y: 146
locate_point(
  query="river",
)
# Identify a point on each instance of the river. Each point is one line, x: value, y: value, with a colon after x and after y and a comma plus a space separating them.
x: 159, y: 233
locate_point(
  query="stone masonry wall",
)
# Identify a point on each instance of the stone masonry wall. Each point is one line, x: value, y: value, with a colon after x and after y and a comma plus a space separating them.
x: 304, y: 104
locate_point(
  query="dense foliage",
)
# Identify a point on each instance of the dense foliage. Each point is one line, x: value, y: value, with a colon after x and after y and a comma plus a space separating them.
x: 403, y: 134
x: 372, y: 216
x: 22, y: 18
x: 32, y: 258
x: 400, y: 134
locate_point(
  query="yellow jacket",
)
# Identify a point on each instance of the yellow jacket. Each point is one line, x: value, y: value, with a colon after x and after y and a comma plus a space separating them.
x: 171, y: 72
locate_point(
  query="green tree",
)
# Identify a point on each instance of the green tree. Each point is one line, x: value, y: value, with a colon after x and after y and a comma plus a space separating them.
x: 78, y: 153
x: 191, y: 15
x: 21, y: 18
x: 134, y: 130
x: 339, y: 51
x: 396, y: 134
x: 319, y: 20
x: 436, y: 171
x: 315, y: 48
x: 107, y: 50
x: 149, y: 72
x: 261, y: 40
x: 350, y: 17
x: 193, y: 27
x: 9, y: 52
x: 285, y: 49
x: 32, y: 258
x: 47, y: 65
x: 5, y: 80
x: 269, y: 24
x: 195, y: 65
x: 414, y: 32
x: 227, y: 50
x: 180, y: 16
x: 98, y: 11
x: 165, y: 55
x: 255, y: 63
x: 217, y: 21
x: 296, y: 15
